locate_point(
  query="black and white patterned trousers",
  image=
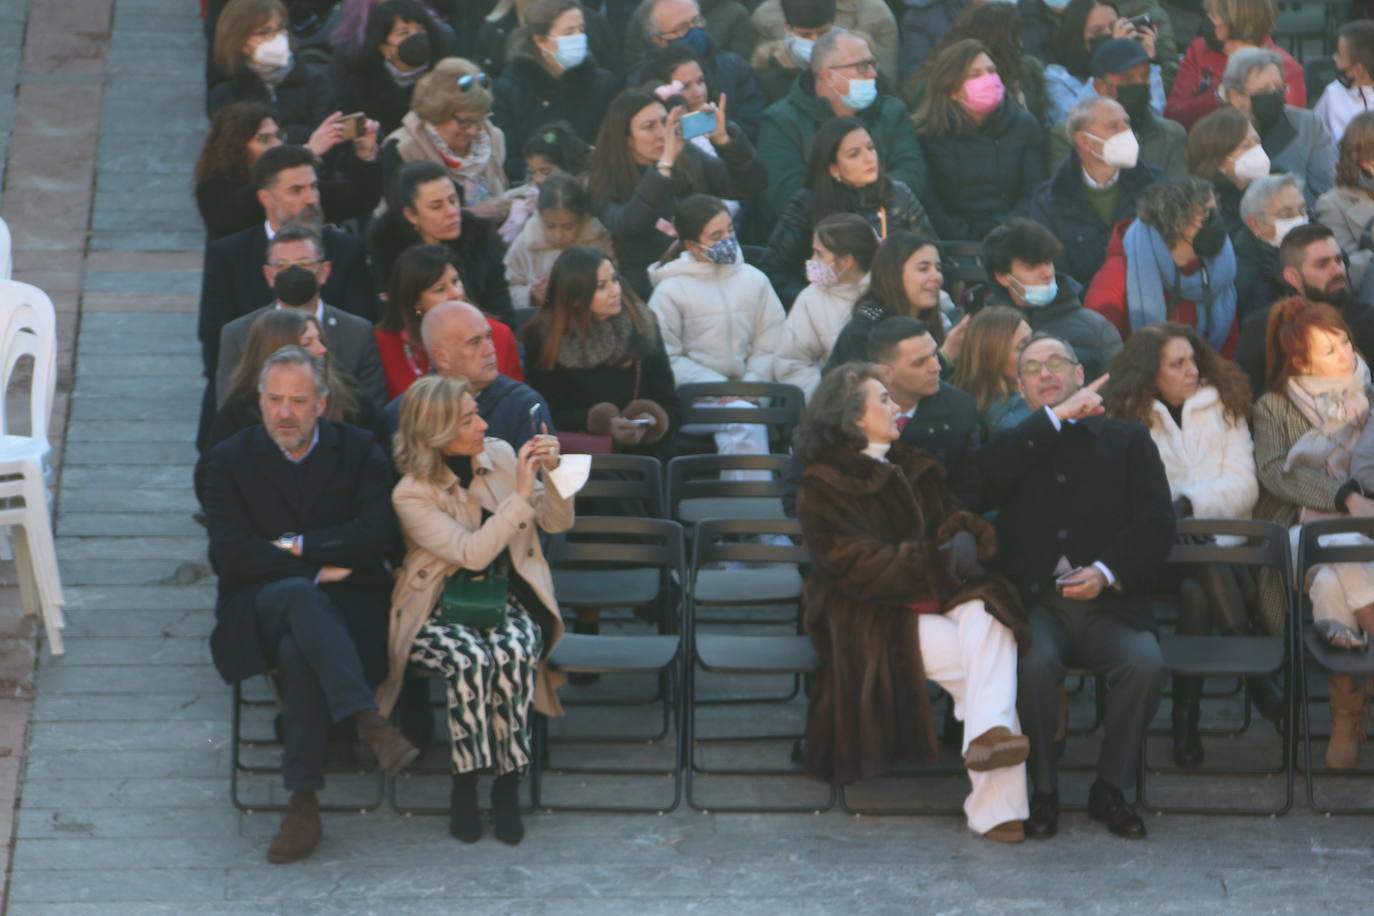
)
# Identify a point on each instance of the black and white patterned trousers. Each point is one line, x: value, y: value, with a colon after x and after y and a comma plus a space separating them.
x: 489, y: 675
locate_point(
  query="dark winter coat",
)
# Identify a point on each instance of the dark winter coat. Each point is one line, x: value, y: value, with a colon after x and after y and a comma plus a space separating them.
x: 479, y: 250
x: 1259, y: 283
x: 984, y: 176
x: 302, y: 100
x: 494, y: 37
x: 528, y: 96
x: 349, y: 188
x: 874, y: 530
x: 1061, y: 205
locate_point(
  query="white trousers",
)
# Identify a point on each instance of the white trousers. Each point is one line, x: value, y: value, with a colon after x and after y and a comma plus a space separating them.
x: 973, y: 656
x: 1337, y: 589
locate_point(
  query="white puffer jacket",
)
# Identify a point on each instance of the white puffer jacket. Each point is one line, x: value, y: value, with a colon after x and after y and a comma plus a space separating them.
x: 530, y: 257
x: 1211, y: 460
x: 815, y: 321
x: 720, y: 322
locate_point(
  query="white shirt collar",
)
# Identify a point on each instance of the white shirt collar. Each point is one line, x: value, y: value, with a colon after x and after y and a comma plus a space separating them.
x: 1090, y: 182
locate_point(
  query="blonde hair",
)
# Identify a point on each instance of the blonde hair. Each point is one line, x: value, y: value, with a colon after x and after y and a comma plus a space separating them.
x: 238, y: 19
x: 430, y: 413
x: 986, y: 344
x: 437, y: 96
x: 1248, y: 21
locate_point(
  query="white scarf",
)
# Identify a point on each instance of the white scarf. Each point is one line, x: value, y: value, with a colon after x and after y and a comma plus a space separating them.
x: 877, y: 450
x: 1337, y: 408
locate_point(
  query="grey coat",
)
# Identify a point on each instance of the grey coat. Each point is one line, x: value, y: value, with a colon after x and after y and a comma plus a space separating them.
x: 1302, y: 147
x: 1349, y: 213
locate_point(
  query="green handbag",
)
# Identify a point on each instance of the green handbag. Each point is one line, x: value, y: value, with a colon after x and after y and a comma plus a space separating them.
x: 476, y: 599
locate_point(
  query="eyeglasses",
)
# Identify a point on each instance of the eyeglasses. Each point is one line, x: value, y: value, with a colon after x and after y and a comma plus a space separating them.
x: 1055, y: 364
x: 469, y: 123
x: 870, y: 65
x: 466, y: 83
x: 680, y: 31
x: 269, y: 136
x: 307, y: 263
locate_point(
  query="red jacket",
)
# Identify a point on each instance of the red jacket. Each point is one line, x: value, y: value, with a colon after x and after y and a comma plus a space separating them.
x: 403, y: 364
x: 1106, y: 295
x: 1195, y: 88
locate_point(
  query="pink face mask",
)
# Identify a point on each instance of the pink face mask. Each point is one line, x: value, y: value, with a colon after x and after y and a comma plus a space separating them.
x: 984, y: 93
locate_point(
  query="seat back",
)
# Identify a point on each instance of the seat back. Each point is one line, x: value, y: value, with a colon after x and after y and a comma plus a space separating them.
x: 710, y: 544
x: 626, y: 478
x: 698, y: 477
x: 6, y: 251
x: 1267, y: 544
x: 606, y: 543
x: 28, y: 327
x: 780, y: 407
x: 1311, y: 552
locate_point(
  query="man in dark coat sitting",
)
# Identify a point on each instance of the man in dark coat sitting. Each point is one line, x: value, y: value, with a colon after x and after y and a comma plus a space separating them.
x: 1085, y: 523
x: 300, y: 520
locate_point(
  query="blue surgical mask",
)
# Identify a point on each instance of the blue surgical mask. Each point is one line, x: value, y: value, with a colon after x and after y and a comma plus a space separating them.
x: 800, y: 49
x: 726, y: 251
x: 697, y: 40
x: 1040, y: 295
x: 1058, y: 5
x: 861, y: 94
x: 572, y: 50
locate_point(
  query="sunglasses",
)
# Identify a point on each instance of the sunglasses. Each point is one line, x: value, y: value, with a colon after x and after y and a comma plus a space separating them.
x: 466, y: 83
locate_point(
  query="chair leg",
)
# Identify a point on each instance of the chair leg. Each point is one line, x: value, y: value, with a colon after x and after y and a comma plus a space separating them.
x: 35, y: 597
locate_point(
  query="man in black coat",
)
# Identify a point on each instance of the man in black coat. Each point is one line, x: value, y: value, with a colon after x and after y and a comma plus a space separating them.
x: 300, y: 520
x: 1312, y: 266
x: 1085, y: 522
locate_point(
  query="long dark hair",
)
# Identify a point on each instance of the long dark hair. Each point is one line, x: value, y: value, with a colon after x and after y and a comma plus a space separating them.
x: 279, y: 328
x: 1132, y: 388
x: 888, y: 288
x: 828, y: 194
x: 417, y: 269
x: 612, y: 173
x: 1068, y: 47
x: 567, y: 307
x: 939, y: 113
x: 998, y: 27
x: 832, y: 415
x: 225, y: 154
x: 380, y: 22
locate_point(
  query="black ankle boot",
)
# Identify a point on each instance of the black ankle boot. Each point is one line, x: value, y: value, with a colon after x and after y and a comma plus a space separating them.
x: 505, y: 808
x: 464, y: 820
x: 1187, y: 743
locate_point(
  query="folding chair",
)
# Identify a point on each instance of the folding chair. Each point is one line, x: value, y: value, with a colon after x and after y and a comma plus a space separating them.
x: 780, y: 408
x: 696, y: 489
x: 790, y: 654
x: 628, y: 479
x: 1233, y: 656
x: 1311, y: 552
x: 655, y: 547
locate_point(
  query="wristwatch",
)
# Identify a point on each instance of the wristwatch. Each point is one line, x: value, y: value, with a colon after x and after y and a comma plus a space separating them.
x: 286, y: 541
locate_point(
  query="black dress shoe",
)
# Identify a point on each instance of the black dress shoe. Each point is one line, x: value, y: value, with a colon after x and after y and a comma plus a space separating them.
x: 1108, y: 805
x: 1043, y: 822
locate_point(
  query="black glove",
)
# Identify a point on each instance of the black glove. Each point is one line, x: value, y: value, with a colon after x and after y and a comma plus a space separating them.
x: 963, y: 556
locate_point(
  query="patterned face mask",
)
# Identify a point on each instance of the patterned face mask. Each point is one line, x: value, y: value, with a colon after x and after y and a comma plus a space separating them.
x: 726, y: 251
x: 821, y: 274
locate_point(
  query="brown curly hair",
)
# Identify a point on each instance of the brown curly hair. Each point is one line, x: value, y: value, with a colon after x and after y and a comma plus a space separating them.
x: 225, y: 154
x: 1356, y: 147
x: 1132, y: 388
x: 832, y: 415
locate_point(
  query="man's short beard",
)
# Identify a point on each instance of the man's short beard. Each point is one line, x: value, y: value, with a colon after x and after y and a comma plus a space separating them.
x: 1338, y: 299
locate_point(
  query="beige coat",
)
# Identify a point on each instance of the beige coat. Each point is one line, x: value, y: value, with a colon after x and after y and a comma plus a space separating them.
x: 443, y: 530
x: 530, y: 257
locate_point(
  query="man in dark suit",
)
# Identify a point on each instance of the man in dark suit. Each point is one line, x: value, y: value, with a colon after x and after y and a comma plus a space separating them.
x: 1085, y: 523
x: 1312, y: 266
x: 296, y: 268
x: 935, y: 416
x: 233, y: 283
x: 300, y: 520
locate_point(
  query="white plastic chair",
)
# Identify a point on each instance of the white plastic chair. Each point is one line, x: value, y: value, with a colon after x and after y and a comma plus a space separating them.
x: 6, y: 251
x: 29, y: 326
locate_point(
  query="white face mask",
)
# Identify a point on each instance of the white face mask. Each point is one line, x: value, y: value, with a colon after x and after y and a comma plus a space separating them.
x: 800, y: 49
x: 1284, y: 226
x: 1252, y: 164
x: 274, y: 52
x: 1120, y: 151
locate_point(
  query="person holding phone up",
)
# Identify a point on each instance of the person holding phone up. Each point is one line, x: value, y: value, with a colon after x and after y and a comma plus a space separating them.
x: 1085, y: 523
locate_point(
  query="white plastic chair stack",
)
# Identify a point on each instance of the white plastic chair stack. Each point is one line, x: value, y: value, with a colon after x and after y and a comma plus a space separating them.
x: 28, y: 327
x: 6, y: 253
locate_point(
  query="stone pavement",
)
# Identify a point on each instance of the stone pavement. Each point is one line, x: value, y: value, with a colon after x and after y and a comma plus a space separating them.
x: 123, y: 805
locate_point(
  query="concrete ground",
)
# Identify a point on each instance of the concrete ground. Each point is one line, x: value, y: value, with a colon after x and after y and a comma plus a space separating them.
x: 123, y: 805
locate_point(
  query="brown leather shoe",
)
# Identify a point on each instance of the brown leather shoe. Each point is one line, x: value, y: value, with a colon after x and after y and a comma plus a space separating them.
x: 1108, y: 805
x: 300, y: 830
x: 996, y: 748
x: 394, y: 752
x: 1008, y: 832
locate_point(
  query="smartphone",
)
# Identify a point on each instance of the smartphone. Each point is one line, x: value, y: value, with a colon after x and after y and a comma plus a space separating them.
x: 353, y: 126
x: 1142, y: 21
x: 698, y: 123
x: 534, y: 420
x: 643, y: 421
x: 1067, y: 579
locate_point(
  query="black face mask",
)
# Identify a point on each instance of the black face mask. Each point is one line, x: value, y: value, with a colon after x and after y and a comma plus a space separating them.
x: 295, y: 286
x: 1135, y: 98
x: 1267, y: 108
x: 1207, y: 31
x: 1211, y: 237
x: 414, y: 51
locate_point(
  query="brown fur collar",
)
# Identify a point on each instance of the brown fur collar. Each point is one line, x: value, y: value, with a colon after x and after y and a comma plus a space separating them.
x: 852, y: 471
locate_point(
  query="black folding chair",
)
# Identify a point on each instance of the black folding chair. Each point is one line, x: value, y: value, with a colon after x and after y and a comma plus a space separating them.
x: 780, y: 408
x: 630, y: 479
x: 1311, y: 552
x: 1238, y: 657
x: 696, y: 489
x: 652, y: 550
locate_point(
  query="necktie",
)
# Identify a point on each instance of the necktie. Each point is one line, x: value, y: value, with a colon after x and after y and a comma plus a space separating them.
x: 901, y: 423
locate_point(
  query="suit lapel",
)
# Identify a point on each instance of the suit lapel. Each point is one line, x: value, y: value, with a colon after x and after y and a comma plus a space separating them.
x: 320, y: 466
x: 276, y: 470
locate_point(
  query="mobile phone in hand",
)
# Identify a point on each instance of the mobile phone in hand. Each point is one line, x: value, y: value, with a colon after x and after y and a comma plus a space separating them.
x: 643, y: 421
x: 697, y: 123
x: 352, y: 126
x: 1067, y: 579
x: 1143, y: 21
x: 534, y: 420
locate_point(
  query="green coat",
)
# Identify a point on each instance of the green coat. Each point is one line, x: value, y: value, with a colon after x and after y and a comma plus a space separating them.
x: 788, y: 127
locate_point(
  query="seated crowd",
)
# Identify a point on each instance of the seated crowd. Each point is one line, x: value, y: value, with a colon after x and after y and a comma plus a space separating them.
x: 1047, y: 276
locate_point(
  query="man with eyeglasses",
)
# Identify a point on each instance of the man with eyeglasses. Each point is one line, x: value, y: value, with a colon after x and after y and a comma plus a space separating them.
x: 680, y: 22
x: 233, y: 282
x: 1085, y: 522
x: 842, y: 81
x: 297, y: 269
